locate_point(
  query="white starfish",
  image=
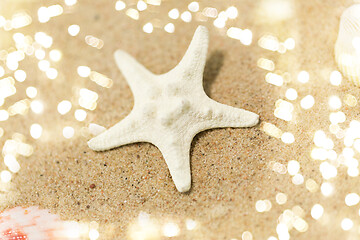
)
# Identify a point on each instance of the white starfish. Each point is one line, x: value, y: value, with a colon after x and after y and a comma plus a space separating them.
x: 170, y: 109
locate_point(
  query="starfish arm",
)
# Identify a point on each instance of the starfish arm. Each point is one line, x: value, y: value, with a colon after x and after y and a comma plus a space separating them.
x: 135, y: 73
x: 193, y: 62
x: 176, y: 153
x: 124, y: 132
x: 218, y: 115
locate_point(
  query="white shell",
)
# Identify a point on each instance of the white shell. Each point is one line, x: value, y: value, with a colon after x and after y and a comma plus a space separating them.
x: 347, y: 47
x: 32, y: 223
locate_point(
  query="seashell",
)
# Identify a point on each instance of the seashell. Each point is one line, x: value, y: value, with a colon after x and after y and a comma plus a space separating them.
x: 347, y: 47
x: 31, y: 223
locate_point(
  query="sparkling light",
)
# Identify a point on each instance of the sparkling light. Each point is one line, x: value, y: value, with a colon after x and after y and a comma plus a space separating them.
x: 170, y: 28
x: 18, y: 38
x: 7, y: 87
x: 68, y: 132
x: 37, y: 106
x: 311, y: 185
x: 320, y: 138
x: 303, y: 77
x: 293, y: 167
x: 287, y: 137
x: 51, y: 73
x: 291, y: 94
x: 2, y: 71
x: 335, y: 78
x: 171, y: 229
x: 246, y: 37
x: 327, y: 170
x: 281, y: 198
x: 148, y: 28
x: 55, y: 55
x: 55, y: 10
x: 4, y: 115
x: 289, y: 43
x: 64, y: 107
x: 337, y: 117
x: 186, y: 16
x: 190, y: 224
x: 234, y: 32
x: 284, y: 111
x: 269, y: 42
x: 19, y: 107
x: 350, y: 100
x: 94, y: 41
x: 278, y: 167
x: 141, y: 5
x: 326, y: 189
x: 246, y: 236
x: 88, y: 99
x: 43, y: 15
x: 274, y: 79
x: 36, y: 131
x: 276, y: 11
x: 174, y: 13
x: 334, y: 102
x: 352, y: 199
x: 298, y: 179
x: 232, y: 12
x: 317, y: 211
x: 5, y: 176
x: 347, y: 224
x: 194, y: 6
x: 11, y: 162
x: 210, y: 12
x: 74, y: 30
x: 219, y: 23
x: 282, y: 231
x: 133, y: 13
x: 80, y: 115
x: 42, y: 38
x: 307, y: 102
x: 272, y: 130
x: 19, y: 20
x: 70, y: 2
x: 266, y: 64
x: 93, y: 234
x: 120, y: 5
x: 20, y: 75
x: 101, y: 79
x: 300, y: 225
x: 154, y: 2
x: 260, y: 206
x: 353, y: 172
x: 40, y: 54
x: 12, y: 61
x: 83, y: 71
x: 44, y: 65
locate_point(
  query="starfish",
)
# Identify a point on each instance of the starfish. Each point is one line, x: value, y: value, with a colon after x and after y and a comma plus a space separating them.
x: 170, y: 109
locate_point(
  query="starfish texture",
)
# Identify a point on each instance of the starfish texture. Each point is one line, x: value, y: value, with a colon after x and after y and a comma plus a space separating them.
x: 170, y: 109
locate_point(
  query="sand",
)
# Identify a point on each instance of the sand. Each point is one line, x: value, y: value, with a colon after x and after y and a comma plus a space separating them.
x: 231, y: 168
